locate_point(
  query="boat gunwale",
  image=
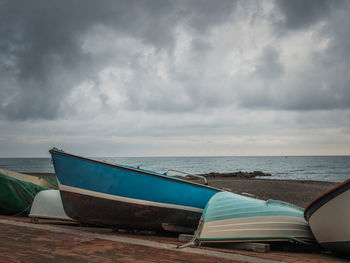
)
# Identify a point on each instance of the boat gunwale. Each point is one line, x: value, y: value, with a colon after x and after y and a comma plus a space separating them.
x: 324, y: 198
x: 151, y: 173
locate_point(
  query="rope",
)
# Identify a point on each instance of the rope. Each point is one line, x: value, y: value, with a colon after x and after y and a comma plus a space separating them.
x: 192, y: 242
x: 22, y: 211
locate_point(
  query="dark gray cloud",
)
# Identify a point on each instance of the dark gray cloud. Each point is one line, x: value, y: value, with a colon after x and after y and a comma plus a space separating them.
x: 43, y: 56
x: 269, y: 65
x: 164, y: 77
x: 299, y: 14
x: 321, y: 82
x: 201, y: 14
x: 327, y: 84
x: 41, y: 52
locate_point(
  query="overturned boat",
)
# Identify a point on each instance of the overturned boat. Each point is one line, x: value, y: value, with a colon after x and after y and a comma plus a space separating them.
x: 230, y: 217
x: 329, y: 217
x: 100, y: 193
x: 17, y: 191
x: 47, y: 204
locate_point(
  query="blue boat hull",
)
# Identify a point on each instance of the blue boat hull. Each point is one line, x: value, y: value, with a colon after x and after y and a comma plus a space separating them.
x: 126, y: 197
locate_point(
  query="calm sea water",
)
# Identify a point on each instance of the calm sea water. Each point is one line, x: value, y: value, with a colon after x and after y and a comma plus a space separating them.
x: 319, y: 168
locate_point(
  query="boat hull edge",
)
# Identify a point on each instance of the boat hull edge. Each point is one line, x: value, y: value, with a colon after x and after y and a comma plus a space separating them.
x: 330, y: 223
x: 270, y: 228
x: 124, y: 215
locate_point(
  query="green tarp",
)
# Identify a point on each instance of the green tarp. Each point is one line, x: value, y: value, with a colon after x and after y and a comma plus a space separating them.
x: 16, y: 196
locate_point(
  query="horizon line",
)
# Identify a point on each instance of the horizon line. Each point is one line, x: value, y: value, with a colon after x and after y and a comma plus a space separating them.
x: 188, y: 156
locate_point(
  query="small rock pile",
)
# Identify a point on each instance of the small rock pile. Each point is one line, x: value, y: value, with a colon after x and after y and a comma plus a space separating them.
x: 238, y: 174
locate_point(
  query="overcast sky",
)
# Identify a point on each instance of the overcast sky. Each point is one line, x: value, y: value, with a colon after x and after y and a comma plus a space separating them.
x: 179, y: 77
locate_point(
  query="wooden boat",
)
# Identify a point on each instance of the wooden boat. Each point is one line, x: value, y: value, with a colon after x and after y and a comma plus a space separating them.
x: 17, y: 191
x: 47, y: 204
x: 229, y: 217
x: 121, y: 196
x: 329, y: 218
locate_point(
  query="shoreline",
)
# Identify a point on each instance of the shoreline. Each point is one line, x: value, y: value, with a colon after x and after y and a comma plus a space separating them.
x: 297, y: 192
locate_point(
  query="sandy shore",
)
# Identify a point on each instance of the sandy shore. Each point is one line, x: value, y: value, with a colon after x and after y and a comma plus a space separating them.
x: 300, y: 193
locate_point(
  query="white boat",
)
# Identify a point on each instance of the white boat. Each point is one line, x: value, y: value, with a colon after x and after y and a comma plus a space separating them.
x: 48, y: 204
x: 230, y: 217
x: 329, y: 218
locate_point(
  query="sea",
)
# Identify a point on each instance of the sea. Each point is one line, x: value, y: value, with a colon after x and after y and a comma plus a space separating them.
x: 316, y: 168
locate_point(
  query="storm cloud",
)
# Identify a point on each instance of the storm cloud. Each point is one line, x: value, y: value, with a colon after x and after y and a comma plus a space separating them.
x: 114, y: 71
x: 299, y: 15
x: 42, y: 44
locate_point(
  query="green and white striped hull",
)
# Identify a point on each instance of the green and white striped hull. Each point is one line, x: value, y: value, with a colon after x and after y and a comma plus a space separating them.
x: 230, y: 217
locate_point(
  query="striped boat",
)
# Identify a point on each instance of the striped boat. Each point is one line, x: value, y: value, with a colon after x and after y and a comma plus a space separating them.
x: 230, y: 217
x: 121, y: 196
x: 329, y: 218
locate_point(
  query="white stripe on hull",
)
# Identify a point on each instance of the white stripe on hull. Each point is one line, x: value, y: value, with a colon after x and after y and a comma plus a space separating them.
x: 330, y: 223
x: 126, y: 199
x: 257, y: 227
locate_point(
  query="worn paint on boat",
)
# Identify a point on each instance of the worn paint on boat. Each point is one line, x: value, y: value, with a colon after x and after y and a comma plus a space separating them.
x: 126, y: 197
x: 230, y: 217
x: 48, y: 204
x: 329, y: 217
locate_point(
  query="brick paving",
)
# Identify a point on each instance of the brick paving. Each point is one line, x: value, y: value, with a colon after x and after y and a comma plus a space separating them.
x: 24, y: 244
x: 65, y: 244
